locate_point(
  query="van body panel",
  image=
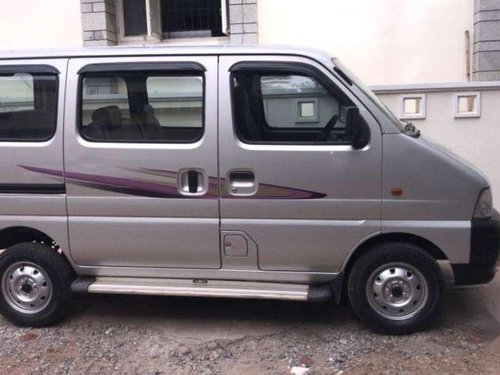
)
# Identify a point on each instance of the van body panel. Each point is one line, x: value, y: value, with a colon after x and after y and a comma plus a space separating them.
x: 56, y: 227
x: 436, y: 186
x: 127, y: 196
x: 439, y: 194
x: 453, y: 238
x: 305, y: 234
x: 315, y: 247
x: 236, y: 272
x: 163, y: 240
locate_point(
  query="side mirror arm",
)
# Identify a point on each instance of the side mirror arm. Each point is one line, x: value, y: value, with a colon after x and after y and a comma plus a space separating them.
x: 357, y: 128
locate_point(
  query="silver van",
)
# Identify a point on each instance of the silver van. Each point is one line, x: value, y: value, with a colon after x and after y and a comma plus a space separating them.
x: 226, y: 172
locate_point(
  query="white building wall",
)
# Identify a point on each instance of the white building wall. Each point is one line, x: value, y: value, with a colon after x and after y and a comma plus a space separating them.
x: 40, y: 24
x: 382, y: 41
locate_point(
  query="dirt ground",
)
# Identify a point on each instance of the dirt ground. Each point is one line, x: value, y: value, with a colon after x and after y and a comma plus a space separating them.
x: 148, y: 335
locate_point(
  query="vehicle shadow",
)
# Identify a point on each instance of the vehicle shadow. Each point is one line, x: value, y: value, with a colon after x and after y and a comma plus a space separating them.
x: 475, y: 306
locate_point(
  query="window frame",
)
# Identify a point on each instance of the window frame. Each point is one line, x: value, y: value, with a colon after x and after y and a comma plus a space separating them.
x: 307, y: 119
x: 290, y: 68
x: 33, y: 70
x: 477, y: 105
x: 422, y: 108
x: 170, y: 69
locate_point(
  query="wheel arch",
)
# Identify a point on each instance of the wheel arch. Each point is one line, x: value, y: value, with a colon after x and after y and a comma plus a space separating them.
x: 16, y: 234
x: 430, y: 248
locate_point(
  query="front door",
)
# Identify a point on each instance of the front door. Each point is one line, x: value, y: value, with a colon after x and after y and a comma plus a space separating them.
x: 141, y: 162
x: 293, y: 188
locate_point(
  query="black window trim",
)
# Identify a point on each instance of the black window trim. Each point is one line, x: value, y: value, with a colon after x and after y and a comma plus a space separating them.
x: 176, y: 66
x: 34, y: 70
x: 292, y: 68
x: 173, y: 69
x: 32, y: 188
x: 28, y: 69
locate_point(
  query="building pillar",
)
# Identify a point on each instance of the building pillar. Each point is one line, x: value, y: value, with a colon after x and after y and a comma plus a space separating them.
x: 243, y: 21
x: 486, y: 62
x: 99, y: 22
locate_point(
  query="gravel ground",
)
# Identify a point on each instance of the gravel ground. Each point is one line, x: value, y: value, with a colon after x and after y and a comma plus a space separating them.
x: 147, y: 335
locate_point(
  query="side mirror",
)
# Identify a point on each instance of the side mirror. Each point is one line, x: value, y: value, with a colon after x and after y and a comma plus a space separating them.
x: 356, y: 128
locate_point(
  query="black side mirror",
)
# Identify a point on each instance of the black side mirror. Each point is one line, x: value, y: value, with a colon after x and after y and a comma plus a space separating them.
x: 356, y: 128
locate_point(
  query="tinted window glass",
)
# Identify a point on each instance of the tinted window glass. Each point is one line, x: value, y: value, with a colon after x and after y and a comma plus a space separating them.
x: 296, y: 102
x: 134, y: 14
x: 287, y: 108
x: 142, y: 107
x: 176, y: 101
x: 103, y: 92
x: 28, y: 106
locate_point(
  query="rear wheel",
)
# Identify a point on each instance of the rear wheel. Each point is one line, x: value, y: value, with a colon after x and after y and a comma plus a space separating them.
x: 35, y: 285
x: 396, y: 288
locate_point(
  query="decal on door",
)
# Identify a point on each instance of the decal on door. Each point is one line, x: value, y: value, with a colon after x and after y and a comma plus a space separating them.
x: 168, y: 189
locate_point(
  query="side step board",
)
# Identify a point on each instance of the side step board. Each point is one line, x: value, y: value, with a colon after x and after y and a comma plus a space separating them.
x: 201, y: 288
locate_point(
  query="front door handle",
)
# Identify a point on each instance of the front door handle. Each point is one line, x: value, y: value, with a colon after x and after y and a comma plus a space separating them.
x: 241, y: 182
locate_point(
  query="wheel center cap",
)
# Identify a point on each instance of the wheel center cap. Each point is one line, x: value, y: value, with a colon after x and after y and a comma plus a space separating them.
x: 26, y: 288
x: 397, y: 291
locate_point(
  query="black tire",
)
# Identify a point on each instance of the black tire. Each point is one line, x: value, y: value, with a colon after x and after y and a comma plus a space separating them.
x: 363, y: 276
x: 60, y: 276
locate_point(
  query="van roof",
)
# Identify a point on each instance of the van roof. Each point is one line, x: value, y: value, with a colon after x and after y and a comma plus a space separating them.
x: 161, y: 50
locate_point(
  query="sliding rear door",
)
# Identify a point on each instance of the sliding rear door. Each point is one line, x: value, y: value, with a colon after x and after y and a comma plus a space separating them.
x: 141, y: 162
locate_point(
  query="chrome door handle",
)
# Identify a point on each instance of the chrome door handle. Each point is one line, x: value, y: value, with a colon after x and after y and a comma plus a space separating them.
x: 241, y: 182
x: 192, y: 182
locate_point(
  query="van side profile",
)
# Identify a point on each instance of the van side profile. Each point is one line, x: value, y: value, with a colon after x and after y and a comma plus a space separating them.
x: 240, y: 172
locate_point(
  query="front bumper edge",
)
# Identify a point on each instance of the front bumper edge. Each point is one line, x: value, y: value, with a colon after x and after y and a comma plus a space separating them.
x: 484, y: 250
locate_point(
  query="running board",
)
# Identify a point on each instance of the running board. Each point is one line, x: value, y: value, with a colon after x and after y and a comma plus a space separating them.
x: 201, y: 288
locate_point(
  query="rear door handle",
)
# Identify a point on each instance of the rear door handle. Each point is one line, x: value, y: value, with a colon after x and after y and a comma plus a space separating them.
x: 241, y: 182
x: 192, y: 182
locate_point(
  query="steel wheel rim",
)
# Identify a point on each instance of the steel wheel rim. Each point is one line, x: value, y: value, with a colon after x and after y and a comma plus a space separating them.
x: 397, y: 291
x: 26, y: 287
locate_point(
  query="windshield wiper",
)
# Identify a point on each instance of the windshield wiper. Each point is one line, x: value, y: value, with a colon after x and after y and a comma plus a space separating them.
x: 411, y: 130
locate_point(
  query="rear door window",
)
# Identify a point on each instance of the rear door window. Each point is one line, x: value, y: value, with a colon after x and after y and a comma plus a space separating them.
x: 142, y: 106
x: 177, y: 101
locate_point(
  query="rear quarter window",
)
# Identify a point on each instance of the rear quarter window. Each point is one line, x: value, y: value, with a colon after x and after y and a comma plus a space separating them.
x: 28, y: 106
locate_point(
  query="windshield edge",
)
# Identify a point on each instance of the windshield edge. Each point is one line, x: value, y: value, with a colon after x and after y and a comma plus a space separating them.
x: 367, y: 91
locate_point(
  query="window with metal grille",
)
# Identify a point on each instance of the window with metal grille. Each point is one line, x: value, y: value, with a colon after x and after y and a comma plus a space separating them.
x: 191, y: 18
x: 153, y: 20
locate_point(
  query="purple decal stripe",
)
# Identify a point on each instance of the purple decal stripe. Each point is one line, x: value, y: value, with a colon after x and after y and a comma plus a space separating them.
x: 126, y: 190
x: 119, y: 184
x: 51, y: 172
x: 157, y: 190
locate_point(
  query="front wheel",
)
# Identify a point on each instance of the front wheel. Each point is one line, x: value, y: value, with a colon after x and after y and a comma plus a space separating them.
x: 395, y: 288
x: 35, y: 285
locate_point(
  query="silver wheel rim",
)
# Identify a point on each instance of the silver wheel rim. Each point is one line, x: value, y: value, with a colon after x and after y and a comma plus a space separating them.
x: 397, y: 291
x: 26, y: 287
